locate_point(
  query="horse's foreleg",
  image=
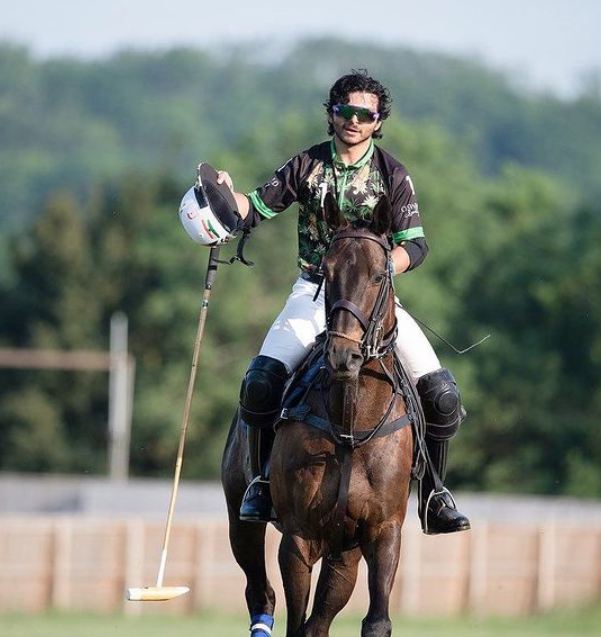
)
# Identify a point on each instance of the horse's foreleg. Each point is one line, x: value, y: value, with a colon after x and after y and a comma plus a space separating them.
x: 246, y: 539
x: 248, y: 545
x: 295, y: 566
x: 382, y: 556
x: 334, y: 588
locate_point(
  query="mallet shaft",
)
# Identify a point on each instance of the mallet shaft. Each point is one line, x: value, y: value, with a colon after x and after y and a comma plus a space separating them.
x: 209, y: 280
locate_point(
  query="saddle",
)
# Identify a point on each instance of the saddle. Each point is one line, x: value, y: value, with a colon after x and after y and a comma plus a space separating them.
x: 312, y: 377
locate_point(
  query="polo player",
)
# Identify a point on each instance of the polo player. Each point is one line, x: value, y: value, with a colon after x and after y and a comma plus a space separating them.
x: 357, y: 173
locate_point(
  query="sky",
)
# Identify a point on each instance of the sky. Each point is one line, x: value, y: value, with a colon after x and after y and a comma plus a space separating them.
x: 543, y: 44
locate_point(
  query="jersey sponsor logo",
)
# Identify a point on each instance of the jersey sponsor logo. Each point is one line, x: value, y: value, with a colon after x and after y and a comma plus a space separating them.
x: 410, y: 209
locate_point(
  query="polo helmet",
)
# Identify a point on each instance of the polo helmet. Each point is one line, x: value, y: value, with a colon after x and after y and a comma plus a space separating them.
x: 208, y: 210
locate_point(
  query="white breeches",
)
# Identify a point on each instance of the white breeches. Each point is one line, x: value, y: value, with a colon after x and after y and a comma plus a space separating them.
x: 302, y: 319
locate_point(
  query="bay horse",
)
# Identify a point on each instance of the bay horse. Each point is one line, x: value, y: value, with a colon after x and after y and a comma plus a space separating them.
x: 340, y: 478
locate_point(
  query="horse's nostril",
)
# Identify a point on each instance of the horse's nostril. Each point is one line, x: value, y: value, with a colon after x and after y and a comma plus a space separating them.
x: 353, y: 360
x: 344, y: 359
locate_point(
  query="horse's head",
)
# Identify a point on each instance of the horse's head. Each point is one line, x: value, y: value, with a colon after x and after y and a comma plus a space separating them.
x: 359, y: 293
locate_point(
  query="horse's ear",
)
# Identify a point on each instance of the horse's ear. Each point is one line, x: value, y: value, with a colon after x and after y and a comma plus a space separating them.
x: 381, y: 220
x: 334, y: 217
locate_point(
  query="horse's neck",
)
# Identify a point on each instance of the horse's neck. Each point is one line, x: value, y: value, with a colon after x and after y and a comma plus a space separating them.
x: 365, y: 401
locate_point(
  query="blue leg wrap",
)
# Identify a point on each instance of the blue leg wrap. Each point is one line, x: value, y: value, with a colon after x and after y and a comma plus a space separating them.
x: 261, y: 625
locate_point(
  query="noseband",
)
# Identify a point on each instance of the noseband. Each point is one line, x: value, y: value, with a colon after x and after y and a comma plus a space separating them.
x: 374, y: 343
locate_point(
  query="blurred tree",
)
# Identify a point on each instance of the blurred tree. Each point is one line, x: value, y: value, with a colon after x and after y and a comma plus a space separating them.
x: 68, y: 123
x: 52, y: 304
x: 515, y: 252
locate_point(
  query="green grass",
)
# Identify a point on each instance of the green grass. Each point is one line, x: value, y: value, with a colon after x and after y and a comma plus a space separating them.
x: 585, y: 622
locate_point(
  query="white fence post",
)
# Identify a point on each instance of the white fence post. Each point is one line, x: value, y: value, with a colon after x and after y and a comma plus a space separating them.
x: 121, y: 380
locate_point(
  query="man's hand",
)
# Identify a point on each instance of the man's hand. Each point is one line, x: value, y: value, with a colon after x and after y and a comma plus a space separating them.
x: 224, y: 177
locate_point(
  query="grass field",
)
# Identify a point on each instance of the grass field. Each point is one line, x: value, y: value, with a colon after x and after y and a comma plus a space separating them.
x: 586, y: 622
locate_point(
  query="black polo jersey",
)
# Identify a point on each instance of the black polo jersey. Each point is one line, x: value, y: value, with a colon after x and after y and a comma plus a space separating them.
x: 307, y: 177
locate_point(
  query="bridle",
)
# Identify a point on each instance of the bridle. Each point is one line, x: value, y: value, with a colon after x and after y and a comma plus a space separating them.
x: 374, y: 343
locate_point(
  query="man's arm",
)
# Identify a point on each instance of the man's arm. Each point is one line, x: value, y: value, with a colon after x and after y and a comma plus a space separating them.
x: 400, y: 259
x: 243, y: 205
x: 407, y: 233
x: 409, y: 254
x: 273, y: 197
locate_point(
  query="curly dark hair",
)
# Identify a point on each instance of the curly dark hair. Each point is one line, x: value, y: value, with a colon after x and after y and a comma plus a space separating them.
x: 358, y: 80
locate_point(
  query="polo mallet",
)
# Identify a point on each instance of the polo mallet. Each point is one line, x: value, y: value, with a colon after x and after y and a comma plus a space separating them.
x: 160, y: 593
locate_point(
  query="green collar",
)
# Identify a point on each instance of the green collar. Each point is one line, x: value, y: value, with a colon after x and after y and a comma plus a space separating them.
x: 358, y: 164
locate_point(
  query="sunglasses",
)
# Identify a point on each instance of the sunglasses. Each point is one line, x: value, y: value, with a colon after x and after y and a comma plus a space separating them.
x: 348, y: 111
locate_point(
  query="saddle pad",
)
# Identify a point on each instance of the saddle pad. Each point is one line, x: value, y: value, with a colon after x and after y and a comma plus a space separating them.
x: 304, y: 378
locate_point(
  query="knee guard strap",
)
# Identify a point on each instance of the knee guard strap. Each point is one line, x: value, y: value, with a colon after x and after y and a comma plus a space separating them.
x: 262, y: 390
x: 441, y: 403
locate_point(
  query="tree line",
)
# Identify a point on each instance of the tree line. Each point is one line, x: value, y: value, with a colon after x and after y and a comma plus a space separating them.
x: 69, y: 123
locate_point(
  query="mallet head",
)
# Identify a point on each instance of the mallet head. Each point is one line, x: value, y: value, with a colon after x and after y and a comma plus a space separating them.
x: 155, y: 593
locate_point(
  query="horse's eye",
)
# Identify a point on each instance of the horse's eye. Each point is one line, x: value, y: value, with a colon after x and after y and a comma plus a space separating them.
x: 377, y: 278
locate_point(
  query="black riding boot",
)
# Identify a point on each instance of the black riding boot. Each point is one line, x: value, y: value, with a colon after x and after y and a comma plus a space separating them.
x: 256, y: 504
x: 437, y: 509
x: 260, y: 404
x: 441, y: 403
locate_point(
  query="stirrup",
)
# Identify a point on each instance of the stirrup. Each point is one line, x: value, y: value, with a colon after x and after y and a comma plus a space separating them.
x: 256, y: 480
x: 424, y: 516
x: 257, y: 506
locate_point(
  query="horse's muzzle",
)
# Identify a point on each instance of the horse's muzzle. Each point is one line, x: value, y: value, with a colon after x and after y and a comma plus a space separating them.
x: 344, y: 361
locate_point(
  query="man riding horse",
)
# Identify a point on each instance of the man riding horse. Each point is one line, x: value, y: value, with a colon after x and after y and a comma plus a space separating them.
x: 357, y: 173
